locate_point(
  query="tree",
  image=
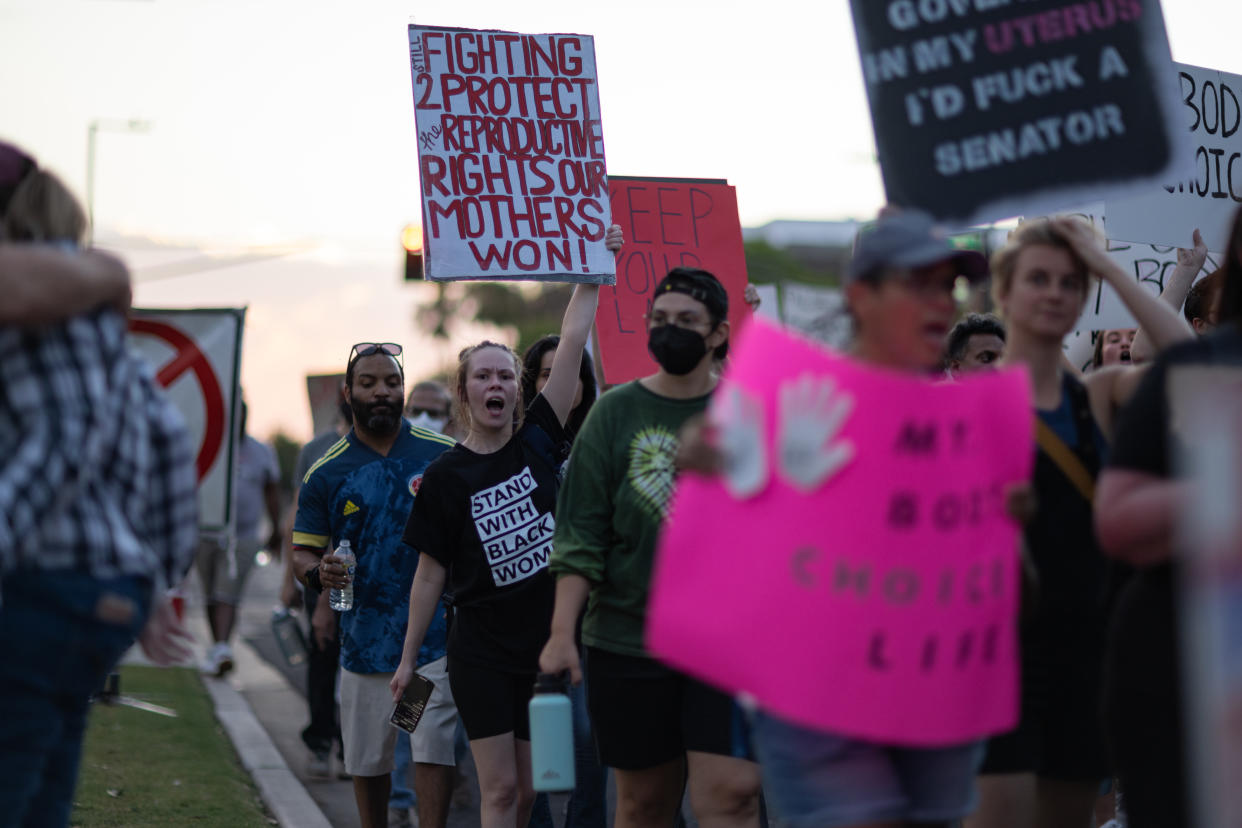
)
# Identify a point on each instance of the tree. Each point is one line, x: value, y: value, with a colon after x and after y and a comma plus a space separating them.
x: 766, y: 264
x: 534, y: 310
x: 287, y: 450
x: 531, y: 309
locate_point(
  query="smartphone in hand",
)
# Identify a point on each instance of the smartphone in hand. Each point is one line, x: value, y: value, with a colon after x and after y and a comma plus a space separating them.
x: 413, y: 701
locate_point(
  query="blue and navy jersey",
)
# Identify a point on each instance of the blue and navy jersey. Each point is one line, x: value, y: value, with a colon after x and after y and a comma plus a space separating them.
x: 353, y: 492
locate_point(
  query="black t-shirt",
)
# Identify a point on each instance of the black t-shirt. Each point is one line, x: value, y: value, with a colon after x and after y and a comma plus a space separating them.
x: 487, y: 518
x: 1144, y: 657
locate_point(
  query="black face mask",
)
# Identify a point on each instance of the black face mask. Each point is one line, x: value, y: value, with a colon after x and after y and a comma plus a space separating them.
x: 678, y: 350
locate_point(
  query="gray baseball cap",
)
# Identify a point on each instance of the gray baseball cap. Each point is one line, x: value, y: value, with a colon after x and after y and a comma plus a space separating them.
x: 910, y: 239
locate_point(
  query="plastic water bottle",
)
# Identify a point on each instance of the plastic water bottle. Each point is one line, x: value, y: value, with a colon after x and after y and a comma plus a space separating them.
x: 343, y: 598
x: 289, y: 637
x: 551, y: 735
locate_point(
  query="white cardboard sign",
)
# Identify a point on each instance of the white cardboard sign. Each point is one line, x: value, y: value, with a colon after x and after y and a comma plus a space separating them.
x: 1149, y: 264
x: 1212, y: 112
x: 196, y: 355
x: 511, y: 156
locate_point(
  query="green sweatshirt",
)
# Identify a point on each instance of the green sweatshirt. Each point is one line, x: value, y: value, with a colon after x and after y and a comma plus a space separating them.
x: 611, y: 505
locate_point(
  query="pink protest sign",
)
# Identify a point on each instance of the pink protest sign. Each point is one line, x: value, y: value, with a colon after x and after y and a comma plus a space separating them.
x: 878, y: 599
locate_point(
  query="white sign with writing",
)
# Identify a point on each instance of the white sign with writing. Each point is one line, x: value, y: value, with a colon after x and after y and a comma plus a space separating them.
x: 1210, y: 196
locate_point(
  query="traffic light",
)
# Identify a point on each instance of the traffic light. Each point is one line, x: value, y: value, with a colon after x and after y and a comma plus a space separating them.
x: 412, y: 241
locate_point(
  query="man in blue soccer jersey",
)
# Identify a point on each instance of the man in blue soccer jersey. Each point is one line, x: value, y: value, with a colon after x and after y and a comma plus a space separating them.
x: 361, y: 490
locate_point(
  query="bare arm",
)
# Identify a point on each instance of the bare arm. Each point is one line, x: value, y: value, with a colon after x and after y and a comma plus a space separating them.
x: 1164, y: 326
x: 1189, y: 263
x: 271, y: 498
x: 288, y: 590
x: 425, y: 594
x: 1135, y: 515
x: 304, y: 560
x: 43, y: 284
x: 575, y: 328
x: 1073, y: 369
x: 561, y: 651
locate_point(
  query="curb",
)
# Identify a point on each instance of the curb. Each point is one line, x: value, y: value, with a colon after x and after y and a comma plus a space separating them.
x: 282, y: 792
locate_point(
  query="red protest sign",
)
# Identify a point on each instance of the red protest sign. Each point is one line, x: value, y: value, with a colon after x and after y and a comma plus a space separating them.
x: 668, y: 223
x: 511, y: 156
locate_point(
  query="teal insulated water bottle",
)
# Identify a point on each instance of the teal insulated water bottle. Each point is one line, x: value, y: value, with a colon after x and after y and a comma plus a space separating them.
x: 551, y: 735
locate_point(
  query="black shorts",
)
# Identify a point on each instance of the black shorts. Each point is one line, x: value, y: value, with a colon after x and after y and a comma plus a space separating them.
x: 491, y: 702
x: 1144, y: 712
x: 1060, y: 734
x: 643, y: 714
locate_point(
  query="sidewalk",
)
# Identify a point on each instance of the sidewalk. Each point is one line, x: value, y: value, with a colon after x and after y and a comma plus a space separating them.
x: 278, y: 699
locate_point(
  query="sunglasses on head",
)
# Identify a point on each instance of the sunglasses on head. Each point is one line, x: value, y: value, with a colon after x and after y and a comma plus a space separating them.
x: 366, y: 349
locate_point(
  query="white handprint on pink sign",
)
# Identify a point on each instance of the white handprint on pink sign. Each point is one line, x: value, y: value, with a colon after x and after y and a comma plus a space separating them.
x: 812, y: 412
x: 738, y: 419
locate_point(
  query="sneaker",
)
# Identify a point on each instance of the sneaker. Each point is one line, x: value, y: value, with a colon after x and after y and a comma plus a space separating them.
x: 399, y: 818
x: 319, y: 766
x: 219, y: 660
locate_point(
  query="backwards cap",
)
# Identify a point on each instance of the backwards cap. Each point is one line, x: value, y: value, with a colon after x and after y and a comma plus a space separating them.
x: 697, y: 284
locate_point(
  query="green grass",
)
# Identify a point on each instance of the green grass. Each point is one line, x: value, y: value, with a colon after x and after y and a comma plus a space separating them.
x: 142, y: 769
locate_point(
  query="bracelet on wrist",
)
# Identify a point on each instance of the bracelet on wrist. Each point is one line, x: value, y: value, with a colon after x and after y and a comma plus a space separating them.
x: 312, y: 578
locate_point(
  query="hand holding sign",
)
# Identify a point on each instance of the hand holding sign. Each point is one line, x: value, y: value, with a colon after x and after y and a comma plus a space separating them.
x: 1195, y: 256
x: 812, y: 413
x: 614, y: 238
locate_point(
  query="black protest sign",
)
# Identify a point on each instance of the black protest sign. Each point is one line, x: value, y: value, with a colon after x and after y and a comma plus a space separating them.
x: 984, y: 109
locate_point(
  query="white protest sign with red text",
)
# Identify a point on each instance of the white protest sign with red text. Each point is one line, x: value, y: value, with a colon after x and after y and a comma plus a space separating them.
x: 196, y: 355
x: 901, y: 567
x: 511, y: 156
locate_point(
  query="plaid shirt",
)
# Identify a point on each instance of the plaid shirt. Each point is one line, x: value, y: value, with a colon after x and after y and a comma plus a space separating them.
x: 96, y: 469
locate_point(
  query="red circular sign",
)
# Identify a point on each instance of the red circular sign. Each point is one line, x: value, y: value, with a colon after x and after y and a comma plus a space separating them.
x: 188, y: 357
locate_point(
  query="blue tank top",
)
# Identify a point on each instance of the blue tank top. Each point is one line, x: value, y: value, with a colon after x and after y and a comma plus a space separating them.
x: 1063, y: 423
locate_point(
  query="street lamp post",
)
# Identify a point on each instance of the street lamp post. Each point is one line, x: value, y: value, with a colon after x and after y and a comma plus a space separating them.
x: 92, y: 130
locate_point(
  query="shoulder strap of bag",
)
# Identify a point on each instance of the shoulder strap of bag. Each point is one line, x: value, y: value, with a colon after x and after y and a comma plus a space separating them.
x: 1065, y: 459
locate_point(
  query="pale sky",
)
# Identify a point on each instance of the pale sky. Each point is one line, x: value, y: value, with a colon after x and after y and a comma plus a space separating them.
x: 291, y: 124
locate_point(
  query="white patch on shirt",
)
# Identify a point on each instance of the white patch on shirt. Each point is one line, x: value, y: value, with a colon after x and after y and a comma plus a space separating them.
x: 516, y: 536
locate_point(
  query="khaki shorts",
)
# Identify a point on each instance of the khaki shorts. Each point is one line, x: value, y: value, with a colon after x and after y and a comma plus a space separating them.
x: 222, y: 579
x: 369, y: 739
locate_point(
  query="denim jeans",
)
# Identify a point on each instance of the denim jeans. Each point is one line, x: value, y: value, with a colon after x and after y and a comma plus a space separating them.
x: 63, y: 632
x: 322, y: 664
x: 821, y: 780
x: 401, y: 797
